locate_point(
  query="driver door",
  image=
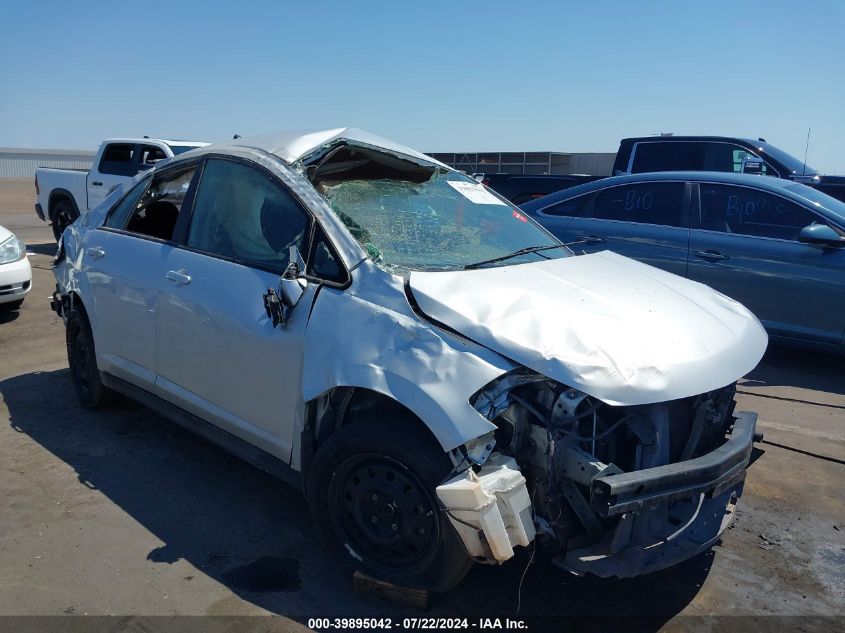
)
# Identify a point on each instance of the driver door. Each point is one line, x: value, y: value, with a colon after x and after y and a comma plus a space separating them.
x: 218, y: 354
x: 746, y: 247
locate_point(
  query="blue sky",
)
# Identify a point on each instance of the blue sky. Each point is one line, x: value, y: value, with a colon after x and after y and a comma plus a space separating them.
x: 439, y: 76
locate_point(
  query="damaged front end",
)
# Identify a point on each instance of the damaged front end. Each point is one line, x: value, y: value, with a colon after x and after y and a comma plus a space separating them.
x: 615, y: 490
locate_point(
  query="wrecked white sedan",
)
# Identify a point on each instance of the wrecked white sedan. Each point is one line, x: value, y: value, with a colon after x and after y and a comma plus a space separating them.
x: 442, y: 378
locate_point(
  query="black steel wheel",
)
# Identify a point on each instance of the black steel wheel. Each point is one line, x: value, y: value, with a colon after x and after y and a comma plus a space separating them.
x: 371, y: 490
x: 82, y: 361
x: 383, y: 512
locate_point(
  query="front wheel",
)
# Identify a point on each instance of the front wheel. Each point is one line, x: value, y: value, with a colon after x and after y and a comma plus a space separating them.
x: 372, y: 496
x: 64, y: 214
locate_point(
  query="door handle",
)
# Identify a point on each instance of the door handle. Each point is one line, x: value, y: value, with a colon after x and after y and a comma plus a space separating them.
x: 96, y: 184
x: 179, y: 277
x: 95, y: 252
x: 711, y: 255
x: 592, y: 239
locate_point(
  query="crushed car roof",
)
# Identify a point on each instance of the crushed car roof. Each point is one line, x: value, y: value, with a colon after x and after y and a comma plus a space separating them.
x: 292, y: 146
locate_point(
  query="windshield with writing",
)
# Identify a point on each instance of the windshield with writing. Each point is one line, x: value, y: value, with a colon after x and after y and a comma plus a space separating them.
x: 445, y: 223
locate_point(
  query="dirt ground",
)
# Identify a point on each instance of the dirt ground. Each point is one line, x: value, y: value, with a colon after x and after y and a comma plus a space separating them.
x: 121, y: 512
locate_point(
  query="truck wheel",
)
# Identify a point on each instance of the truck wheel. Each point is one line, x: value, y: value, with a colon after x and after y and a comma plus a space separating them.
x: 371, y: 492
x: 64, y: 213
x: 83, y: 363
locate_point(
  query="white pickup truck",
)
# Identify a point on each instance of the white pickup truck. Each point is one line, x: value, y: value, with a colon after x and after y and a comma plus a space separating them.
x: 65, y: 193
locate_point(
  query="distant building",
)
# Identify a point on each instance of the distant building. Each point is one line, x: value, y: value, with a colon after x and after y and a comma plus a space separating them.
x: 17, y: 162
x: 535, y: 163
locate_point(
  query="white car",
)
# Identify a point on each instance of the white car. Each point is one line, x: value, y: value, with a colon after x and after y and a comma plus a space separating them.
x: 442, y: 378
x: 15, y: 271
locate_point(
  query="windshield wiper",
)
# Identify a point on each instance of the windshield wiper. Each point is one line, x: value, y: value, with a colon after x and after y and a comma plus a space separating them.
x: 533, y: 249
x: 521, y: 251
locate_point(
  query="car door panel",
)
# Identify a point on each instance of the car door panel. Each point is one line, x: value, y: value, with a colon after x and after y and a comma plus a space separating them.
x: 786, y: 285
x: 796, y: 290
x: 660, y: 246
x: 646, y: 221
x: 220, y: 356
x: 123, y: 262
x: 120, y: 271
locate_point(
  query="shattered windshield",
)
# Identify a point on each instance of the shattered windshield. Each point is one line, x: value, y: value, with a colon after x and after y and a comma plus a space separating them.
x: 447, y: 222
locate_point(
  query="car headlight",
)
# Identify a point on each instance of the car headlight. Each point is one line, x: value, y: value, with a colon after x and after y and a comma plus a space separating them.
x: 12, y: 250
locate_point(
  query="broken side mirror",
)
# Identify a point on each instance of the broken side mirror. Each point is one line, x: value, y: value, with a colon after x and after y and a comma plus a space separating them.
x: 292, y: 284
x: 820, y: 234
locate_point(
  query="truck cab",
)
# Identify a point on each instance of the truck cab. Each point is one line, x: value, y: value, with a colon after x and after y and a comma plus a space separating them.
x: 64, y: 194
x: 720, y: 153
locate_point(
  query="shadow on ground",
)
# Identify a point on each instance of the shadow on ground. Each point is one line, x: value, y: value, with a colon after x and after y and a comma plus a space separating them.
x: 792, y: 367
x: 253, y: 533
x: 47, y: 248
x: 7, y: 314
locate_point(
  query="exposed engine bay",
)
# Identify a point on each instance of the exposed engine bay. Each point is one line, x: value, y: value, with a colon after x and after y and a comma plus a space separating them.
x: 568, y: 445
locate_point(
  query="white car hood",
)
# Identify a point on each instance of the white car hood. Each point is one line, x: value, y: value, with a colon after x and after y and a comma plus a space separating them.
x: 619, y: 330
x: 5, y: 234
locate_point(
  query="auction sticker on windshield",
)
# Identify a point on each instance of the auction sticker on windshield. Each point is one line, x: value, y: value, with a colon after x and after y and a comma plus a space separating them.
x: 475, y: 192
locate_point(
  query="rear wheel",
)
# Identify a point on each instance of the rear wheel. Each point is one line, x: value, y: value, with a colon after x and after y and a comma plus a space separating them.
x: 64, y: 213
x: 83, y: 363
x: 372, y: 496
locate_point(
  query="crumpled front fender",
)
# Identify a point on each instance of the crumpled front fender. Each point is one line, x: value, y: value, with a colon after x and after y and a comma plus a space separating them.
x: 368, y: 336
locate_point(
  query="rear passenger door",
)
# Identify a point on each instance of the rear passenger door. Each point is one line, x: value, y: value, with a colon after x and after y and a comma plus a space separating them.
x: 122, y: 265
x: 745, y: 245
x: 647, y: 221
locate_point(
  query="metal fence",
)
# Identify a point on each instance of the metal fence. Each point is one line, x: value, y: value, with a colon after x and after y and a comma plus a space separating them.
x: 19, y: 162
x: 537, y: 163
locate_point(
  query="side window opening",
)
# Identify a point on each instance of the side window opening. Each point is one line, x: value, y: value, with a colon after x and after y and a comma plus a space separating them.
x: 575, y: 208
x: 652, y: 156
x: 745, y: 211
x: 150, y: 155
x: 647, y: 203
x: 322, y: 261
x: 118, y: 159
x: 156, y: 213
x: 119, y: 214
x: 242, y: 214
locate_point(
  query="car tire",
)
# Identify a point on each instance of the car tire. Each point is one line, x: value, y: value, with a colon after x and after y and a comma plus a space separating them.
x: 371, y: 490
x: 12, y: 305
x: 64, y: 213
x: 82, y: 359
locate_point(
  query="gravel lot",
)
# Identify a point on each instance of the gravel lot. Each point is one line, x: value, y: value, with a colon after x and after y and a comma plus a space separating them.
x: 121, y: 512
